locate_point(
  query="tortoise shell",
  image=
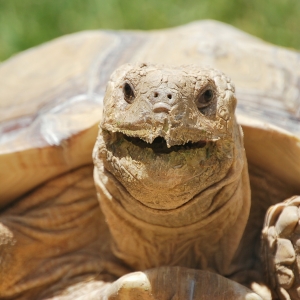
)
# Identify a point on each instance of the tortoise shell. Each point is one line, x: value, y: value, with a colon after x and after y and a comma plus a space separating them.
x: 51, y: 100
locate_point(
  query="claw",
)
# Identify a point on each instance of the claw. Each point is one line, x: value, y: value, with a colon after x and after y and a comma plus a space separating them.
x: 287, y: 221
x: 281, y: 248
x: 285, y: 277
x: 285, y: 253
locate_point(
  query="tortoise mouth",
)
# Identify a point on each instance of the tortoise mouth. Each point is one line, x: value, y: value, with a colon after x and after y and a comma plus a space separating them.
x: 159, y: 144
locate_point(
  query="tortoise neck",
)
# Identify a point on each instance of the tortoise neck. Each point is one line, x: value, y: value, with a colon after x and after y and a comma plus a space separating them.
x: 206, y: 239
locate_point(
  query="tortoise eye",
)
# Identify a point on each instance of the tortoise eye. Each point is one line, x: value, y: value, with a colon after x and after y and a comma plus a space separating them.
x: 128, y: 92
x: 204, y: 99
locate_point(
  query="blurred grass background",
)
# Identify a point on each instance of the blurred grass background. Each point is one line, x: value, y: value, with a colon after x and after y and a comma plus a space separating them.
x: 26, y: 23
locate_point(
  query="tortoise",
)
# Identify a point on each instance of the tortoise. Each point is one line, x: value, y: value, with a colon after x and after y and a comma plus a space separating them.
x: 182, y: 210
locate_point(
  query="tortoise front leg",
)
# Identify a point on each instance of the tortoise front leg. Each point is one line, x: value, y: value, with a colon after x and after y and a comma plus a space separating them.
x: 163, y: 283
x: 281, y: 248
x: 176, y: 283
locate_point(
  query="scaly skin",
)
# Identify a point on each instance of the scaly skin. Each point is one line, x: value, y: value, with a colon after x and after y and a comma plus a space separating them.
x: 182, y: 204
x: 170, y: 168
x: 172, y: 181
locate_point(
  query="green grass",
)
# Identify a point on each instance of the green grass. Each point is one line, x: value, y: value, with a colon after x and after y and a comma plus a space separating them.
x: 26, y: 23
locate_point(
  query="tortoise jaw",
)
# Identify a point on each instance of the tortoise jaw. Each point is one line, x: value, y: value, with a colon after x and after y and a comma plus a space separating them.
x: 168, y: 137
x: 159, y: 145
x: 163, y: 170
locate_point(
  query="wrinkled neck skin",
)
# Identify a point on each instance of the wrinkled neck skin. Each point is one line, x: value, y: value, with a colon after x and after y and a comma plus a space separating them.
x: 203, y: 232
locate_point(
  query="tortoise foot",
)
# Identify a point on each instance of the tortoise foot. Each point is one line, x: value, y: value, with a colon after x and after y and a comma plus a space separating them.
x: 281, y: 248
x: 176, y: 283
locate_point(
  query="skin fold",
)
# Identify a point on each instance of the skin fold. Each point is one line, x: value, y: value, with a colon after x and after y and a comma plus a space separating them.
x: 177, y: 218
x: 170, y: 168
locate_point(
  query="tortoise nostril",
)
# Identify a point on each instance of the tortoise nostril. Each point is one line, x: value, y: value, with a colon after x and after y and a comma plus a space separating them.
x: 155, y: 94
x: 169, y: 96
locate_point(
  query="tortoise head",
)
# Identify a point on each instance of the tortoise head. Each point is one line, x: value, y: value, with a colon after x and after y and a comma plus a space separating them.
x: 168, y: 133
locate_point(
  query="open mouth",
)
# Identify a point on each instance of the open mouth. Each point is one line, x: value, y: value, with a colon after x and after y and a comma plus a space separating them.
x: 159, y: 144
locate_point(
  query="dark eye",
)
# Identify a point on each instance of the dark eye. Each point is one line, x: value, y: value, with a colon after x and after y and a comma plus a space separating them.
x: 204, y: 99
x: 128, y: 93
